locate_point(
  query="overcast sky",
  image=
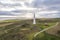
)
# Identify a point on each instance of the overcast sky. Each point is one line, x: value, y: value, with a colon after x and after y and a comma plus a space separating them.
x: 26, y: 8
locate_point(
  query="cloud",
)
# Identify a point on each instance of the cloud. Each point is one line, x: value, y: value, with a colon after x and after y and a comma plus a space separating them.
x: 5, y: 13
x: 26, y: 8
x: 48, y: 4
x: 51, y: 2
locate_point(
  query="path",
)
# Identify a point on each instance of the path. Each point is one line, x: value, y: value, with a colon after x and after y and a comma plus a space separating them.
x: 45, y: 29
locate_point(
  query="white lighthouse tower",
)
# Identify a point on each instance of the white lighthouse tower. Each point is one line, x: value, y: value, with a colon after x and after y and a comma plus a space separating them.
x: 34, y: 18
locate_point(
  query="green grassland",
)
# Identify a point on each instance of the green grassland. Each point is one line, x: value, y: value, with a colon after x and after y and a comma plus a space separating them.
x: 25, y: 30
x: 45, y: 36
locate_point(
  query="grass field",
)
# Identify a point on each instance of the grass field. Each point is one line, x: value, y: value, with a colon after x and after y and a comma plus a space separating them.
x: 45, y: 36
x: 25, y: 30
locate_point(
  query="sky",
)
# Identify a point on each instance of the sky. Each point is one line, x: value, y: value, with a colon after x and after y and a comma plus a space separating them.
x: 10, y: 9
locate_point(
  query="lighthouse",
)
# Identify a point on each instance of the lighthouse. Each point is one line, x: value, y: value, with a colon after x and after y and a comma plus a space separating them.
x: 34, y: 18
